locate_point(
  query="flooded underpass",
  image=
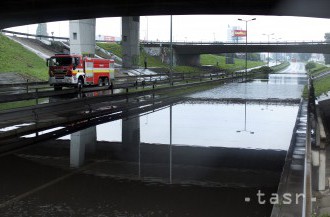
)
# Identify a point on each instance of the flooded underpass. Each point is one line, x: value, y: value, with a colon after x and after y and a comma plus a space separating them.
x: 208, y: 155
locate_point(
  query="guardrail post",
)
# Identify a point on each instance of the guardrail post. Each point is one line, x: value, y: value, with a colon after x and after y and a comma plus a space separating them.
x: 27, y: 85
x: 36, y: 122
x: 37, y: 96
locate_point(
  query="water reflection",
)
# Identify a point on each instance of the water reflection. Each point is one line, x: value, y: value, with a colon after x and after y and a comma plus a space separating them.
x: 299, y: 79
x: 213, y: 125
x: 280, y: 86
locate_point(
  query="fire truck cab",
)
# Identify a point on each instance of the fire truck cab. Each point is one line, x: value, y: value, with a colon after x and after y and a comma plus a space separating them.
x: 77, y: 71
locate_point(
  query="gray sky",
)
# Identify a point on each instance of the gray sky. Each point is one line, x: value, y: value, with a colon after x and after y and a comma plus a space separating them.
x: 205, y: 27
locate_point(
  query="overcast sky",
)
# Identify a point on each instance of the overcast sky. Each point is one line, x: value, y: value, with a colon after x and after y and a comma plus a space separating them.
x: 205, y: 27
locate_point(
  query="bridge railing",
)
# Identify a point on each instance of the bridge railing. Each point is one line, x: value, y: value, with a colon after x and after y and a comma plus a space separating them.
x: 35, y: 36
x: 307, y: 187
x: 183, y: 43
x: 150, y: 42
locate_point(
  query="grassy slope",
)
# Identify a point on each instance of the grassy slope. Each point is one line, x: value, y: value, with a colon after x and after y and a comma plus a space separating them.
x: 319, y: 69
x: 210, y: 59
x: 151, y: 61
x: 112, y: 47
x: 187, y: 69
x: 322, y: 85
x: 15, y: 58
x: 117, y: 50
x: 280, y: 67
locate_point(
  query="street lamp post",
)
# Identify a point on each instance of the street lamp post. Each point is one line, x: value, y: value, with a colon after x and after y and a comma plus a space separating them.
x: 147, y: 28
x: 276, y: 39
x: 268, y: 44
x: 246, y: 31
x: 171, y: 50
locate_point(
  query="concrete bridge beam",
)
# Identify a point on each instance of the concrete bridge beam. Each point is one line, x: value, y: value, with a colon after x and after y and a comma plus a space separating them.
x: 130, y: 41
x: 82, y: 37
x: 82, y: 142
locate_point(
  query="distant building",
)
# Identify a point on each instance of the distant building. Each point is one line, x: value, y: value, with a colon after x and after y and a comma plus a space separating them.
x: 230, y: 34
x: 42, y: 29
x: 107, y: 38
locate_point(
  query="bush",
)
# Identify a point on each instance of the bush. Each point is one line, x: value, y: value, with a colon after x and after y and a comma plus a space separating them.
x: 263, y: 69
x: 310, y: 65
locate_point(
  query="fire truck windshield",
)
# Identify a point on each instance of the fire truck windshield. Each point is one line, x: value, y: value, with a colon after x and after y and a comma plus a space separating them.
x: 60, y: 61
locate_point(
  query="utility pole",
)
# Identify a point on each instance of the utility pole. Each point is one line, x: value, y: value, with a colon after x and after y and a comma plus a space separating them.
x: 268, y: 44
x: 171, y: 52
x: 246, y: 30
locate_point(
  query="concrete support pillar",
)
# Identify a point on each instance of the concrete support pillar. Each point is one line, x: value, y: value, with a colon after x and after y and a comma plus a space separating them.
x: 81, y: 142
x: 230, y: 58
x: 131, y: 134
x: 82, y: 37
x: 322, y: 171
x: 130, y: 41
x: 187, y: 59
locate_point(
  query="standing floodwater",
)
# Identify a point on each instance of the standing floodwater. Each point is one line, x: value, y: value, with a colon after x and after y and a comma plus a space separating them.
x: 201, y: 157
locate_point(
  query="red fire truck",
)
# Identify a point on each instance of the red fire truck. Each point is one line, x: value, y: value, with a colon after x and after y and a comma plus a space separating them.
x: 76, y: 70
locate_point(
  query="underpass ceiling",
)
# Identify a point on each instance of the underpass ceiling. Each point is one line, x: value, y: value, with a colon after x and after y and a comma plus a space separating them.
x: 21, y: 12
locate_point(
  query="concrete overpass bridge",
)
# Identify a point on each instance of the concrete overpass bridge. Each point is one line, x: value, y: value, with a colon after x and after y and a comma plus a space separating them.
x: 251, y: 47
x: 188, y: 53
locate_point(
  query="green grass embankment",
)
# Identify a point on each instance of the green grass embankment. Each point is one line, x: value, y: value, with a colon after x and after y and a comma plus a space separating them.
x: 320, y: 68
x: 151, y: 61
x: 112, y: 47
x: 15, y: 58
x: 322, y: 85
x: 210, y: 59
x: 280, y: 67
x: 117, y: 50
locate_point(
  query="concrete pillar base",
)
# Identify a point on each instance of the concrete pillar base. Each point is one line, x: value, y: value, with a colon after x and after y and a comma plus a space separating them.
x: 81, y: 142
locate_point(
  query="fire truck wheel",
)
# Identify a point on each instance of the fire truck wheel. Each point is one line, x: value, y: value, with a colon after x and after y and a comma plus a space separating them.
x: 106, y: 82
x: 100, y: 82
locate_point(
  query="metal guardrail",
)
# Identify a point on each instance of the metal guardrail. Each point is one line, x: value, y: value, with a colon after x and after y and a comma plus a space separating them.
x: 33, y: 35
x: 307, y: 200
x: 153, y: 80
x: 237, y: 44
x: 37, y: 111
